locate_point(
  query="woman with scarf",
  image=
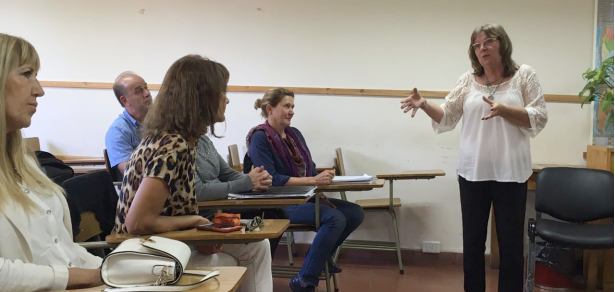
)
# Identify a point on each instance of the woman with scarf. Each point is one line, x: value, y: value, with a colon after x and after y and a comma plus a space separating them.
x: 282, y: 150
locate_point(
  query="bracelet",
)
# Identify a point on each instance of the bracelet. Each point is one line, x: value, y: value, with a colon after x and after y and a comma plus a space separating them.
x: 424, y: 104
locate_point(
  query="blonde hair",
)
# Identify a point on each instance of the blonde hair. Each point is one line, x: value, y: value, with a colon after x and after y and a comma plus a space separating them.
x: 189, y: 98
x: 272, y: 97
x: 494, y: 31
x: 15, y: 52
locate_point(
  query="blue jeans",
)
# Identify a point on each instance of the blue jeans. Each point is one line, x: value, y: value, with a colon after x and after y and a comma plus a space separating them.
x: 335, y: 226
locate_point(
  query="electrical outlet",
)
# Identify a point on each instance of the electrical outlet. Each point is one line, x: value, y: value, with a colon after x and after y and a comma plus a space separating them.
x: 431, y: 246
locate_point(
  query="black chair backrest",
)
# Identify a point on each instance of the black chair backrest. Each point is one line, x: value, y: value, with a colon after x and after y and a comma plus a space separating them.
x: 54, y: 168
x: 247, y: 164
x: 92, y: 192
x: 575, y: 194
x: 116, y: 175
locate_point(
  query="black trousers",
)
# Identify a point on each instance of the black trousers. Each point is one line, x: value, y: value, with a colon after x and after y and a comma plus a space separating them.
x: 509, y: 207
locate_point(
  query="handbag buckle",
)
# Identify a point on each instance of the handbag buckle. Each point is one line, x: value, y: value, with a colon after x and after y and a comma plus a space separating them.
x: 163, y: 278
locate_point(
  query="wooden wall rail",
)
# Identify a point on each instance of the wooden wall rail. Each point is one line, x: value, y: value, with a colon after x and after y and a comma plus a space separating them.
x: 305, y: 90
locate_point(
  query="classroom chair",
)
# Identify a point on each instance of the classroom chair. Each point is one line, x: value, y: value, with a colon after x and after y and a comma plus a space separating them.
x: 371, y: 205
x: 573, y: 196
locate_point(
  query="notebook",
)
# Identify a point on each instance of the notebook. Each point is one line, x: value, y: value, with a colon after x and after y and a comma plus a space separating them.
x: 277, y: 192
x: 353, y: 179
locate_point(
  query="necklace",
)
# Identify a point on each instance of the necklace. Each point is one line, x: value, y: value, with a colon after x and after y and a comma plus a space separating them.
x: 490, y: 97
x: 15, y: 172
x: 19, y: 179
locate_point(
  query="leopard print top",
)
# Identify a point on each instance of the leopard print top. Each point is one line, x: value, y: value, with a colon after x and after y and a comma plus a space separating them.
x: 168, y: 157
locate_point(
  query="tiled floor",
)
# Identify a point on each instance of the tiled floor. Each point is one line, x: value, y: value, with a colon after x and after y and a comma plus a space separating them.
x: 382, y: 275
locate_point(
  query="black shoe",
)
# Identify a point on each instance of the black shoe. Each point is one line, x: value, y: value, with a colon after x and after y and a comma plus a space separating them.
x: 334, y: 269
x: 295, y: 285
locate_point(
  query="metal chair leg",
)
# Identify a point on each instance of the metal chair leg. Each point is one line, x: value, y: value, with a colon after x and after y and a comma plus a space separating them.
x: 531, y: 256
x: 335, y: 283
x: 397, y: 245
x: 289, y: 248
x: 531, y: 263
x: 293, y: 246
x: 327, y: 276
x: 337, y: 254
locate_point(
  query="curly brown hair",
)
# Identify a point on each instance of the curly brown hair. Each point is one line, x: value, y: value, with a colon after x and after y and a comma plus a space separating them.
x: 189, y: 98
x: 506, y: 48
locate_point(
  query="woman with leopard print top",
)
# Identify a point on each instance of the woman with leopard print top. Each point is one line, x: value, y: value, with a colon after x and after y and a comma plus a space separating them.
x: 157, y: 193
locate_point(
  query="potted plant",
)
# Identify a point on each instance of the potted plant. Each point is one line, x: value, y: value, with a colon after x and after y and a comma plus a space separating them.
x: 600, y: 87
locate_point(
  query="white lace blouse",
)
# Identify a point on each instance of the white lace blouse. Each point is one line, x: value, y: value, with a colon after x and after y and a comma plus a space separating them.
x: 495, y: 149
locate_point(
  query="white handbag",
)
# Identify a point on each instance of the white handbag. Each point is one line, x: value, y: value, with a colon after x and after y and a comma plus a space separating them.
x: 149, y: 265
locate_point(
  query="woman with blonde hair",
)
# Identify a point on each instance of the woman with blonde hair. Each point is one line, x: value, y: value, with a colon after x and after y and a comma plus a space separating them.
x: 158, y: 193
x: 37, y: 251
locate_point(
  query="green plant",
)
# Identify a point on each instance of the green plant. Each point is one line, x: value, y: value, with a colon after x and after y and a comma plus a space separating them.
x: 600, y: 87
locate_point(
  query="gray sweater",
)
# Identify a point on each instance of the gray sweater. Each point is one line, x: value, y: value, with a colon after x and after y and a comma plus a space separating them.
x: 215, y: 179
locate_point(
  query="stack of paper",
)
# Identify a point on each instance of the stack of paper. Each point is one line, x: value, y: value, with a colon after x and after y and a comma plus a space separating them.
x: 277, y: 192
x: 353, y: 179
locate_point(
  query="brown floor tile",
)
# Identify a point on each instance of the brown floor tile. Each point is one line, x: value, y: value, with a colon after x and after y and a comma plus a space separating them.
x: 423, y: 273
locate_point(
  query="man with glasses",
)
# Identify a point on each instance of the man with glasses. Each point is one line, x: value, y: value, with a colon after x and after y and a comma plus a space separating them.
x: 123, y: 135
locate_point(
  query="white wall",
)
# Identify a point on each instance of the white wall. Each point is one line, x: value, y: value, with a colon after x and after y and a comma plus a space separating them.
x: 344, y: 44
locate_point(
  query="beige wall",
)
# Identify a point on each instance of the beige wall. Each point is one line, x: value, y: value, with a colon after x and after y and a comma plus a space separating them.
x: 346, y: 44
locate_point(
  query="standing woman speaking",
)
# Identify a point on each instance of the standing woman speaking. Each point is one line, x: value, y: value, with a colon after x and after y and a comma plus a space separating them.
x: 502, y: 106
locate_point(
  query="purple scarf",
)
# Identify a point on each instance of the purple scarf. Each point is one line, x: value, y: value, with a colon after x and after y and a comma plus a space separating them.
x: 299, y: 164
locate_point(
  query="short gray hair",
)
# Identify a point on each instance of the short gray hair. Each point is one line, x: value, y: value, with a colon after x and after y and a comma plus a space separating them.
x: 118, y: 87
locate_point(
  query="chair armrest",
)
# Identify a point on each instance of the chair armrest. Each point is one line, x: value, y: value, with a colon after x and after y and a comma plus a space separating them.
x: 96, y: 245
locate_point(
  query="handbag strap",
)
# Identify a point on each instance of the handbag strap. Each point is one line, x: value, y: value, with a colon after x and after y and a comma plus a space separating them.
x: 208, y: 275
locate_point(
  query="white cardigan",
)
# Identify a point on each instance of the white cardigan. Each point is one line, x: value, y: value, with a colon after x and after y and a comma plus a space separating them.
x: 17, y: 271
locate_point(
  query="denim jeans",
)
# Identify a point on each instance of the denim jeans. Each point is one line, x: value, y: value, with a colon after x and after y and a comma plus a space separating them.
x: 335, y: 226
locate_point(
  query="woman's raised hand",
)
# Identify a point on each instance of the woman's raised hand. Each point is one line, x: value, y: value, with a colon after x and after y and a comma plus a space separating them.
x: 413, y: 102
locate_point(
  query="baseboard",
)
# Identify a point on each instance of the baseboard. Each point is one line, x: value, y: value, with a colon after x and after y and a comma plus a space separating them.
x: 375, y: 257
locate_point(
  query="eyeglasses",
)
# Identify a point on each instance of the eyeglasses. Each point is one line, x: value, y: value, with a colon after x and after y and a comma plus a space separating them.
x: 486, y: 43
x: 255, y: 223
